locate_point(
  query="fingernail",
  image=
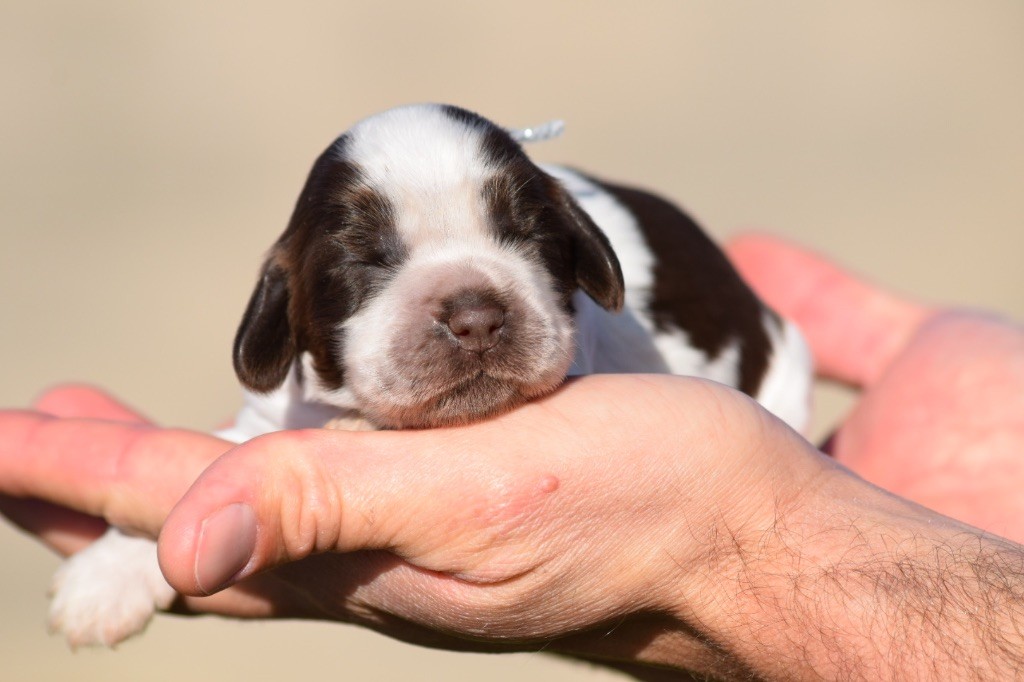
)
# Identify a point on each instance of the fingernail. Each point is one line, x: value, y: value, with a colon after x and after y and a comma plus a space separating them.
x: 227, y: 540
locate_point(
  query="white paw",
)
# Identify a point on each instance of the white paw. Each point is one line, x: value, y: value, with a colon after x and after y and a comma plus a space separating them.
x: 350, y: 420
x: 109, y: 591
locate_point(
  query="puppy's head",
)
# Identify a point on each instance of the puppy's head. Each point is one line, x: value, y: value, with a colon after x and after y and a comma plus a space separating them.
x: 426, y: 274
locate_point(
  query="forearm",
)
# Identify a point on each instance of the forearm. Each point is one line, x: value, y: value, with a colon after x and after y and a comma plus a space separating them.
x: 852, y: 583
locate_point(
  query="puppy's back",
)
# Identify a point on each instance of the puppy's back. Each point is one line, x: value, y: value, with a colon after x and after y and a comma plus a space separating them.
x: 700, y: 316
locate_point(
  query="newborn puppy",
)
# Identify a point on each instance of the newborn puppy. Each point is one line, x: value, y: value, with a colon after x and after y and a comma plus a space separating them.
x: 431, y: 274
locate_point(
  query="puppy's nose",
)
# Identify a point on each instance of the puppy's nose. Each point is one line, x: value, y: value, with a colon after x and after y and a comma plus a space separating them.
x: 476, y: 323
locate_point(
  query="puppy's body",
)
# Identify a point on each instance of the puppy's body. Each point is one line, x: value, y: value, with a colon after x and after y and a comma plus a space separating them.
x: 431, y: 274
x: 422, y: 209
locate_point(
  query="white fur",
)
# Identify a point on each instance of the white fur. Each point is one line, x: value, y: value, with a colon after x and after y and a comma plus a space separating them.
x: 430, y: 167
x: 291, y: 406
x: 786, y: 388
x: 108, y: 591
x: 613, y: 343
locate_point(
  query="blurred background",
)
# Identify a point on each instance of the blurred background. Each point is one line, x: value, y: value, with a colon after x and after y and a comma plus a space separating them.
x: 151, y: 152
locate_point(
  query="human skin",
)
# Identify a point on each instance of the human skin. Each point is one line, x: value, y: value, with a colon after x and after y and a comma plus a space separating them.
x: 940, y: 416
x: 640, y: 520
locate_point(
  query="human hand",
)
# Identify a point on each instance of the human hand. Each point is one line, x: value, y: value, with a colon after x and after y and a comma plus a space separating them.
x: 82, y: 459
x: 709, y: 537
x: 579, y: 511
x: 940, y: 418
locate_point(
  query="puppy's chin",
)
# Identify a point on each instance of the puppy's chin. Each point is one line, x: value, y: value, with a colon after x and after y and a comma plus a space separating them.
x: 478, y: 397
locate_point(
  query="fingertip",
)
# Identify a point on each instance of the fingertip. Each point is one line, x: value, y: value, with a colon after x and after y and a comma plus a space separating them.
x: 176, y: 552
x: 129, y: 474
x: 274, y: 499
x: 195, y: 526
x: 756, y: 243
x: 199, y: 558
x: 84, y: 401
x: 210, y: 535
x: 751, y: 241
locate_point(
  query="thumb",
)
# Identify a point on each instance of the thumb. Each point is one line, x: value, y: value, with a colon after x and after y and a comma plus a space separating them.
x: 276, y: 498
x: 854, y: 328
x: 287, y: 495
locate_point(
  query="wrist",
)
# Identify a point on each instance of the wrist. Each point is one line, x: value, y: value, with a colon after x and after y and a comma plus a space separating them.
x: 847, y: 578
x: 687, y: 588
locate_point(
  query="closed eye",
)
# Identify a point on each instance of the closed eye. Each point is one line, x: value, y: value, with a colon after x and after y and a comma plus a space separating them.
x: 378, y: 247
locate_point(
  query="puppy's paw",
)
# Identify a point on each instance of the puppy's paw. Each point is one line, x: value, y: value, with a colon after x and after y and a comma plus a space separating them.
x: 350, y: 421
x: 109, y: 591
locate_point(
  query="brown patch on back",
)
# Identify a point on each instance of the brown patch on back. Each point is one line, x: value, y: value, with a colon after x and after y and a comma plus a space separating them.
x: 696, y: 289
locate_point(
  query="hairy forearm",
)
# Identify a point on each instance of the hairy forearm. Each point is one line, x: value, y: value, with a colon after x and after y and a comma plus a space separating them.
x: 851, y: 583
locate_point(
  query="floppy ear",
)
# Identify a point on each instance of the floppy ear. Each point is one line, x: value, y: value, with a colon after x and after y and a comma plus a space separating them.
x: 264, y: 345
x: 598, y: 272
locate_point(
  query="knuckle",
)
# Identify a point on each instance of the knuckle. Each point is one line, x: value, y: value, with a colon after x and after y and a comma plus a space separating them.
x: 60, y: 394
x: 127, y: 475
x: 309, y: 506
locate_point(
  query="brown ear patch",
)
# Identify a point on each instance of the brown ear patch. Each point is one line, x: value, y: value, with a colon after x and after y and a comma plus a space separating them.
x: 528, y: 206
x: 598, y: 272
x: 340, y: 244
x: 264, y: 346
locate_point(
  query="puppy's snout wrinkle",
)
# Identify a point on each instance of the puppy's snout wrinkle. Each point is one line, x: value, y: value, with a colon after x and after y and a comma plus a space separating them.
x: 476, y: 322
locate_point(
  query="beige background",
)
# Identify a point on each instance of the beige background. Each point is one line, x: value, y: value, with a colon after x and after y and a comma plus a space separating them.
x: 150, y: 153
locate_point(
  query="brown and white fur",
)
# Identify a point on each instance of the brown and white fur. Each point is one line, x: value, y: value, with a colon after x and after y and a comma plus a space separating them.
x: 431, y: 274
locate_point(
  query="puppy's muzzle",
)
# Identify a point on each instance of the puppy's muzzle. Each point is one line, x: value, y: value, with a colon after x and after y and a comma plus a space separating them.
x: 475, y: 320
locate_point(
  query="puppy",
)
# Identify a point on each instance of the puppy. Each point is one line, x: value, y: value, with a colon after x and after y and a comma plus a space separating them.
x: 431, y: 274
